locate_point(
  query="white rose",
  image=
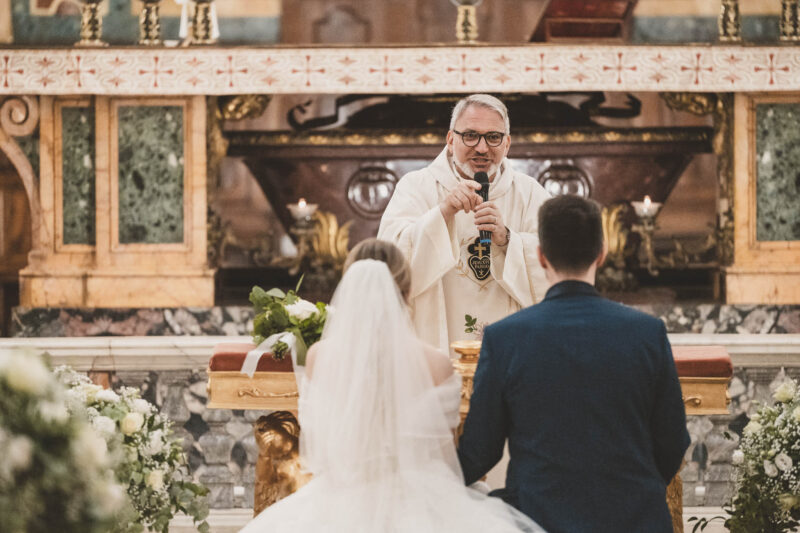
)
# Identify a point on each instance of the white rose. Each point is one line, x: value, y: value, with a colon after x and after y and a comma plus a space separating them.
x: 106, y: 395
x: 104, y: 425
x: 141, y: 406
x: 301, y: 309
x: 27, y: 374
x: 155, y: 480
x: 770, y: 469
x: 786, y: 391
x: 751, y: 428
x: 132, y: 423
x: 155, y: 444
x: 796, y: 414
x: 89, y: 391
x: 18, y: 453
x: 783, y: 462
x: 738, y: 457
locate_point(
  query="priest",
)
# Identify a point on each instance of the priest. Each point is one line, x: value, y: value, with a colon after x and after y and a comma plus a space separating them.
x: 436, y: 215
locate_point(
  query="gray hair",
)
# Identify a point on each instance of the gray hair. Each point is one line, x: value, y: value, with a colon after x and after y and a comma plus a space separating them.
x: 481, y: 100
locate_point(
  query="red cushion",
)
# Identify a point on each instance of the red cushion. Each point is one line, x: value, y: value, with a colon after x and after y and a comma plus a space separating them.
x: 702, y: 361
x: 229, y: 357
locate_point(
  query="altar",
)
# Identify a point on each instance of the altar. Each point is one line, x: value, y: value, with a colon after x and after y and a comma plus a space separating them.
x: 704, y: 373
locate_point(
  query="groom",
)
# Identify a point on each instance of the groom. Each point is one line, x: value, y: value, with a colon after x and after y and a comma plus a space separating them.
x: 586, y: 392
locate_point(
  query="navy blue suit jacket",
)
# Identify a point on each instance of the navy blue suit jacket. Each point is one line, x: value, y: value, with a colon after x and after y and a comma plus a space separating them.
x: 586, y: 392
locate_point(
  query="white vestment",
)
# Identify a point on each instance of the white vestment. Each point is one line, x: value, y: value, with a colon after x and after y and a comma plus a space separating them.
x: 448, y: 278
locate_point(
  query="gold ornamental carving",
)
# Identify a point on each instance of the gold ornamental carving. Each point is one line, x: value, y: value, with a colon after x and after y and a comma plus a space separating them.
x: 675, y: 502
x: 91, y: 24
x: 393, y: 138
x: 278, y: 469
x: 150, y: 24
x: 203, y: 23
x: 254, y: 392
x: 243, y: 106
x: 329, y: 240
x: 729, y: 23
x: 790, y: 20
x: 615, y: 233
x: 720, y: 107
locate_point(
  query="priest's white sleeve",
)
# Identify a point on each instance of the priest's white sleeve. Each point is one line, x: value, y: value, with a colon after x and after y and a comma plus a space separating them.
x: 414, y: 222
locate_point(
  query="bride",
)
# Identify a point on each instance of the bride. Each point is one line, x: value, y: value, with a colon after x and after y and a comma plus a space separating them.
x: 377, y: 409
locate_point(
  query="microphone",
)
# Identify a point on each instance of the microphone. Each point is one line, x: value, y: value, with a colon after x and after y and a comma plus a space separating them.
x: 483, y: 180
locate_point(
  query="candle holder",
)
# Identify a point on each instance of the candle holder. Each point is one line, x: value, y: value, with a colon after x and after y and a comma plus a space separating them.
x: 204, y: 23
x: 150, y: 24
x: 466, y: 20
x: 303, y: 229
x: 790, y: 21
x: 91, y: 24
x: 730, y: 24
x: 647, y: 211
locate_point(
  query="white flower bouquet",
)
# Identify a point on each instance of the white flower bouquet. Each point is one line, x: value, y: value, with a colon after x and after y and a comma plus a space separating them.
x: 152, y: 465
x: 767, y: 468
x: 278, y: 313
x: 55, y: 470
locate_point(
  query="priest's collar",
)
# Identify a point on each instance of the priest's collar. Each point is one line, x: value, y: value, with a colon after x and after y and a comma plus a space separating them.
x: 444, y: 170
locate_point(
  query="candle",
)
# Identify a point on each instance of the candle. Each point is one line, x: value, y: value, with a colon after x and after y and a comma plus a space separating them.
x: 646, y: 208
x: 302, y: 210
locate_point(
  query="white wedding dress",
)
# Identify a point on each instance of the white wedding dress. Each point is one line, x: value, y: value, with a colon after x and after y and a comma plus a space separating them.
x: 376, y: 433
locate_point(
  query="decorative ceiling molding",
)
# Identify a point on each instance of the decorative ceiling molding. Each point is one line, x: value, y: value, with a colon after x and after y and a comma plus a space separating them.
x: 409, y: 70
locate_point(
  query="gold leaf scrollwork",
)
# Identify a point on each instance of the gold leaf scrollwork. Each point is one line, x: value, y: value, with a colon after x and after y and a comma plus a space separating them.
x: 254, y: 392
x: 694, y: 103
x: 243, y: 106
x: 615, y: 233
x: 329, y: 241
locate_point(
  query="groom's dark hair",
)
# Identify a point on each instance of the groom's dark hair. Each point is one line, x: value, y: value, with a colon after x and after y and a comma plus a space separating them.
x: 570, y: 232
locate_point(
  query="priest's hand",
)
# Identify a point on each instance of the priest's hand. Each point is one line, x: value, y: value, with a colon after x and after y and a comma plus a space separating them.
x: 462, y: 197
x: 487, y: 217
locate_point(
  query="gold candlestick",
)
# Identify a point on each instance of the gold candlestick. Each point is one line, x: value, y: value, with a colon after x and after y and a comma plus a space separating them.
x: 647, y: 210
x: 466, y: 21
x: 203, y: 23
x: 91, y: 24
x: 150, y: 24
x: 730, y: 26
x: 790, y: 21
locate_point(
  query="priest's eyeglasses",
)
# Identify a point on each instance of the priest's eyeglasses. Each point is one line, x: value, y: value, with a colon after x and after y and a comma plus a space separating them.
x: 472, y: 138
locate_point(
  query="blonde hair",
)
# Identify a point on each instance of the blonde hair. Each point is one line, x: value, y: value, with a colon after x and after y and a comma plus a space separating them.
x: 389, y: 254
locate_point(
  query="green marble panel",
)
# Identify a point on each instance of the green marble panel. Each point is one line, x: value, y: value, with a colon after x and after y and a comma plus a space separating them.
x: 778, y: 172
x: 78, y: 174
x: 151, y: 172
x: 29, y: 144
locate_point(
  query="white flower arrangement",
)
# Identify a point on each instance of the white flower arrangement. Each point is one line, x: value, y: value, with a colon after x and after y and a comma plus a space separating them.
x: 767, y: 468
x: 277, y: 312
x: 54, y: 468
x: 151, y: 463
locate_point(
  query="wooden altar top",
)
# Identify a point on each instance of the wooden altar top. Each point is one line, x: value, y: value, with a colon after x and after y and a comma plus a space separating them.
x: 161, y: 71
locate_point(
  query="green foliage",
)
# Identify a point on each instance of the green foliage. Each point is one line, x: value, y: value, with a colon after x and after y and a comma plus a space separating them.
x: 469, y: 323
x: 279, y: 312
